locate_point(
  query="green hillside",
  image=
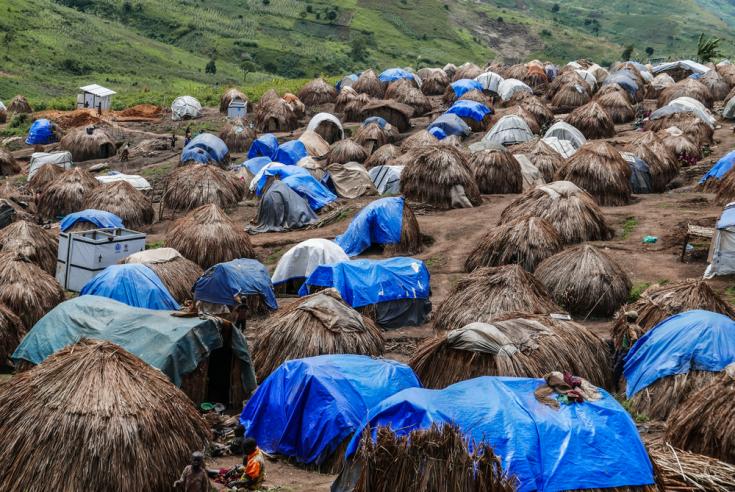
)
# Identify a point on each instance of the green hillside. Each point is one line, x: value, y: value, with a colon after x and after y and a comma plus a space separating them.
x: 152, y: 50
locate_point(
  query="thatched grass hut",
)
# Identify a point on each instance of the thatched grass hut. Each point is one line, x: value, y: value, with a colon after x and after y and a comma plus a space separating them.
x: 397, y: 114
x: 535, y: 106
x: 207, y: 236
x: 66, y: 194
x: 317, y: 92
x: 11, y: 333
x: 434, y: 82
x: 692, y: 127
x: 347, y: 150
x: 662, y: 163
x: 372, y: 136
x: 686, y: 149
x: 535, y: 77
x: 546, y: 159
x: 718, y: 87
x: 477, y: 96
x: 275, y: 115
x: 126, y: 425
x: 120, y: 198
x: 89, y: 143
x: 417, y: 141
x: 592, y: 120
x: 572, y: 211
x: 177, y: 273
x: 405, y: 91
x: 525, y: 241
x: 229, y: 96
x: 19, y: 105
x: 725, y: 188
x: 526, y: 116
x: 353, y: 110
x: 486, y: 293
x: 686, y: 88
x: 598, y: 168
x: 8, y: 164
x: 496, y: 171
x: 569, y: 97
x: 293, y: 102
x: 317, y: 324
x: 345, y: 96
x: 617, y: 106
x: 439, y: 175
x: 369, y: 83
x: 31, y: 242
x: 585, y: 280
x: 27, y: 289
x: 611, y: 89
x: 383, y: 156
x: 45, y: 175
x: 466, y: 71
x: 533, y: 345
x: 566, y: 78
x: 678, y: 469
x: 190, y: 187
x: 237, y: 136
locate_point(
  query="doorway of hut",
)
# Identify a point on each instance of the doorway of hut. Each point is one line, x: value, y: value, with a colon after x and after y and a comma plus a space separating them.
x: 219, y: 372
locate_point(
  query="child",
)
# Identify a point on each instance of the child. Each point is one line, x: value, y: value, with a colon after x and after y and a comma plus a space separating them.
x: 194, y: 477
x: 254, y: 464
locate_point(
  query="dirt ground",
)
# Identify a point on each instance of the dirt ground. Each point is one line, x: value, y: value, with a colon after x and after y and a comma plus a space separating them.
x: 453, y: 234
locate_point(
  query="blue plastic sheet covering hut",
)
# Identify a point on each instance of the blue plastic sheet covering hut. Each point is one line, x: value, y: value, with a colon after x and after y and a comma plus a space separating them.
x: 470, y: 109
x: 291, y: 152
x: 393, y: 74
x: 282, y: 209
x: 346, y: 81
x: 205, y: 148
x: 624, y: 79
x: 41, y: 133
x: 316, y: 194
x: 451, y: 124
x: 265, y: 145
x: 398, y: 288
x: 308, y: 407
x: 377, y: 223
x: 437, y: 131
x: 640, y: 174
x: 223, y: 282
x: 463, y: 86
x: 100, y: 218
x: 174, y: 345
x: 375, y: 119
x: 278, y: 170
x: 690, y: 341
x: 255, y: 164
x: 134, y: 284
x: 578, y: 446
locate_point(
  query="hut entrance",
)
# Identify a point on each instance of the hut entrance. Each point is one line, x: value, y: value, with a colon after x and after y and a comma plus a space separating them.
x: 218, y: 375
x: 107, y: 150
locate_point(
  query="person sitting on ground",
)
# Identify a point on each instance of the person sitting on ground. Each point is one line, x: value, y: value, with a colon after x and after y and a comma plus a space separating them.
x: 194, y: 477
x: 254, y: 464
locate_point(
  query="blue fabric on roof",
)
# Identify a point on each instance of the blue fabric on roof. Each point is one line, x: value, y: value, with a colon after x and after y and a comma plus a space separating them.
x: 379, y: 222
x: 205, y: 145
x: 41, y: 132
x: 281, y: 171
x: 393, y: 74
x: 727, y: 218
x: 578, y: 446
x: 255, y: 164
x: 244, y: 276
x: 307, y: 407
x: 696, y: 76
x: 101, y: 218
x: 315, y: 193
x: 451, y: 124
x: 624, y: 79
x: 469, y: 109
x: 133, y: 284
x: 375, y: 119
x: 265, y: 145
x: 720, y: 168
x: 691, y: 341
x: 351, y: 76
x: 365, y: 282
x: 437, y: 132
x: 291, y: 152
x: 463, y: 86
x: 195, y: 154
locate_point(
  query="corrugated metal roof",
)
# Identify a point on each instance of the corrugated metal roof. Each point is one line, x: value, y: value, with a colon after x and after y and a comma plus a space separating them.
x: 98, y: 90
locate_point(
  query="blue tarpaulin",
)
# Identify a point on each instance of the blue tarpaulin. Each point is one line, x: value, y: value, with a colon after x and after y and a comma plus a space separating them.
x: 174, y: 345
x: 691, y: 341
x: 244, y: 276
x: 100, y: 218
x: 393, y: 74
x: 379, y: 222
x: 41, y: 133
x: 265, y: 145
x: 291, y: 152
x: 255, y: 164
x: 720, y: 168
x: 624, y: 79
x: 437, y: 132
x: 365, y: 282
x: 470, y: 109
x: 353, y: 77
x: 578, y: 446
x: 375, y: 119
x: 133, y: 284
x: 451, y: 124
x: 463, y: 86
x: 205, y: 148
x: 281, y: 171
x: 311, y: 190
x: 308, y: 407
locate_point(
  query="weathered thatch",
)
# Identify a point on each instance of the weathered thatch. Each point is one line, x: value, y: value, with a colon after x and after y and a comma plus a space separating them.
x: 540, y: 111
x: 658, y: 302
x: 693, y: 128
x: 617, y: 106
x: 89, y: 143
x: 532, y: 346
x: 383, y: 156
x: 27, y: 289
x: 546, y: 159
x: 466, y: 71
x: 662, y: 163
x: 372, y: 137
x: 405, y: 92
x: 679, y: 470
x: 189, y: 187
x: 496, y: 171
x: 417, y: 141
x: 345, y: 96
x: 45, y: 175
x: 207, y: 236
x: 598, y: 168
x: 120, y: 198
x: 484, y: 294
x: 718, y: 87
x: 611, y: 89
x: 434, y: 83
x: 66, y: 194
x: 316, y: 92
x: 31, y: 242
x: 293, y: 102
x: 572, y: 211
x: 353, y: 110
x: 440, y: 176
x: 569, y: 77
x: 317, y: 324
x: 535, y: 77
x: 269, y: 96
x: 585, y: 280
x: 12, y: 331
x: 569, y: 97
x: 126, y: 425
x: 477, y: 96
x: 727, y: 72
x: 8, y: 165
x: 686, y: 88
x: 229, y: 96
x: 525, y: 241
x: 397, y: 114
x: 592, y: 120
x: 275, y: 115
x: 725, y: 189
x: 237, y: 135
x: 410, y: 243
x: 369, y: 83
x: 662, y: 397
x: 19, y: 105
x: 176, y: 272
x: 433, y: 459
x: 347, y: 150
x: 686, y: 150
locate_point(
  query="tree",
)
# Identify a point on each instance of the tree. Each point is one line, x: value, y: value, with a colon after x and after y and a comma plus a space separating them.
x: 358, y: 48
x: 211, y: 67
x: 707, y: 49
x: 628, y: 52
x: 555, y: 8
x: 649, y: 51
x: 331, y: 15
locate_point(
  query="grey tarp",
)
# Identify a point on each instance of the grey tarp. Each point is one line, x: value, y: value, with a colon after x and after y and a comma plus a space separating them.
x: 640, y: 174
x: 387, y: 179
x: 351, y: 180
x: 497, y: 338
x: 282, y: 209
x: 327, y: 306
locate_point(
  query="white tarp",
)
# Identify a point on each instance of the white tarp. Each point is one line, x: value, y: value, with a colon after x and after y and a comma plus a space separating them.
x: 721, y: 256
x: 387, y: 179
x: 134, y: 180
x: 39, y: 159
x: 587, y: 77
x: 563, y: 147
x: 185, y: 107
x: 321, y: 117
x: 564, y: 131
x: 685, y: 105
x: 509, y: 87
x: 305, y: 257
x: 509, y: 130
x: 490, y: 81
x: 532, y: 177
x: 690, y: 65
x: 729, y: 111
x: 158, y: 255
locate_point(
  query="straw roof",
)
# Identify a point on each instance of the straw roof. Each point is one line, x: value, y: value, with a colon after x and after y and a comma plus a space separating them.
x: 275, y: 115
x: 316, y: 92
x: 19, y: 104
x: 569, y: 97
x: 565, y: 78
x: 662, y: 163
x: 353, y: 110
x: 229, y: 96
x: 718, y: 87
x: 372, y: 136
x: 192, y: 186
x: 540, y: 111
x: 317, y: 324
x: 725, y: 188
x: 27, y: 290
x: 466, y: 71
x: 474, y: 95
x: 86, y: 145
x: 8, y: 165
x: 419, y: 140
x: 177, y: 273
x: 397, y: 114
x: 345, y: 96
x: 535, y: 77
x: 686, y: 88
x: 434, y: 83
x: 31, y: 242
x: 496, y: 171
x: 681, y: 470
x: 488, y: 292
x: 120, y: 198
x: 207, y: 236
x: 11, y: 333
x: 66, y: 194
x: 592, y: 120
x: 411, y: 240
x: 681, y: 145
x: 533, y: 345
x: 384, y: 155
x: 45, y: 175
x: 693, y: 128
x: 347, y: 150
x: 525, y: 241
x: 611, y: 89
x: 598, y: 168
x: 665, y: 395
x: 617, y: 106
x: 572, y: 211
x: 585, y: 280
x: 125, y: 425
x: 405, y: 91
x: 369, y: 83
x: 529, y: 118
x: 434, y: 175
x: 237, y: 135
x: 546, y: 159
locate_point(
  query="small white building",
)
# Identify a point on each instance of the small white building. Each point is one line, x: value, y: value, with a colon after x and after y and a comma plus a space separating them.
x: 95, y: 96
x: 238, y: 108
